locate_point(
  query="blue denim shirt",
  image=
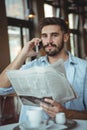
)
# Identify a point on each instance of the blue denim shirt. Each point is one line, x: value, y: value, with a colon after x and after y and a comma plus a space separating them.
x: 76, y: 72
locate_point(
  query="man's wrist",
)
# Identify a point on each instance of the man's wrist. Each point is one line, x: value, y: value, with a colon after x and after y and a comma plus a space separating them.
x: 69, y: 113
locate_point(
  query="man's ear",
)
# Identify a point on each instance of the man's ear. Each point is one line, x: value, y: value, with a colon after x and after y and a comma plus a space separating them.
x: 66, y: 37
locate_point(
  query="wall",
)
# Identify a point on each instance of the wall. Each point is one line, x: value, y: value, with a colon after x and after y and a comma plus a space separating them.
x: 4, y: 48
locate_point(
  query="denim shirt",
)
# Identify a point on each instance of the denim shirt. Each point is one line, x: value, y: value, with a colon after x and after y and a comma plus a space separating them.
x: 76, y: 72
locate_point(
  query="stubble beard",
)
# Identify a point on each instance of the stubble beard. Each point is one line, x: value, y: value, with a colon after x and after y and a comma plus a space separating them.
x: 56, y: 51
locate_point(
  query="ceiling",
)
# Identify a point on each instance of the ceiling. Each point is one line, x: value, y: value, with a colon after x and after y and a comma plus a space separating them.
x: 74, y: 6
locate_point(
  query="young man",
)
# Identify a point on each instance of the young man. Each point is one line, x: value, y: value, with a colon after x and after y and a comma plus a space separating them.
x: 54, y: 35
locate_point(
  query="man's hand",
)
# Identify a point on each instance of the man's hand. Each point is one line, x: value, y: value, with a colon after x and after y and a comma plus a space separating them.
x: 52, y: 107
x: 28, y: 47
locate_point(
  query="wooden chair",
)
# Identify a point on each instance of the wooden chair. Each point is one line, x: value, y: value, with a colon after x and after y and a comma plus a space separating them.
x: 8, y: 108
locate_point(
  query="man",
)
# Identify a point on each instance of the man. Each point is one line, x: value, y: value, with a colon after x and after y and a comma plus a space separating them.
x: 54, y: 35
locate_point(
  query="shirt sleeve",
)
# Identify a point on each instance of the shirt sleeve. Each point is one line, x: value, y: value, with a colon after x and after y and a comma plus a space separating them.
x: 6, y: 91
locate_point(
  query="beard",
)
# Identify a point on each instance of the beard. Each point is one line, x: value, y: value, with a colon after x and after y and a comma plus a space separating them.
x: 56, y: 51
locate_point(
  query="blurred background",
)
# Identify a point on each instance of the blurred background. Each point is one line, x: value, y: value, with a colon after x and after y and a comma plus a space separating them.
x: 19, y: 21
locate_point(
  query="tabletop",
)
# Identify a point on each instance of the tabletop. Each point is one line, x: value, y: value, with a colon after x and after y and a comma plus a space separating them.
x: 81, y: 125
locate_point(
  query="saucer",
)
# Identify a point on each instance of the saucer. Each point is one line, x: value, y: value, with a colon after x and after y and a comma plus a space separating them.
x: 48, y: 125
x: 68, y: 125
x: 43, y: 126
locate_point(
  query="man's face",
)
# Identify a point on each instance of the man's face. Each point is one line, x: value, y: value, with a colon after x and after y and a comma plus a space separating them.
x: 53, y: 39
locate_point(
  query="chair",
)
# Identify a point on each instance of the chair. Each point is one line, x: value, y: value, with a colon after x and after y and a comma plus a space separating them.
x: 8, y: 107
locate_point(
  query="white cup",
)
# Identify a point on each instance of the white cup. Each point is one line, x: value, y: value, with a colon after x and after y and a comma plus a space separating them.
x: 34, y: 116
x: 60, y: 118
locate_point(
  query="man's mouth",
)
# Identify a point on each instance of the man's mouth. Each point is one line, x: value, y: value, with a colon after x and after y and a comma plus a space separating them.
x: 50, y: 45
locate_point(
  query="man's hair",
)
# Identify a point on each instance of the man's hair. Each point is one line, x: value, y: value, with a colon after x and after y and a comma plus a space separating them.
x: 54, y: 21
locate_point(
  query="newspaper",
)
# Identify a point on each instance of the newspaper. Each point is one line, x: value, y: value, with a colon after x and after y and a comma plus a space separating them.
x: 49, y: 81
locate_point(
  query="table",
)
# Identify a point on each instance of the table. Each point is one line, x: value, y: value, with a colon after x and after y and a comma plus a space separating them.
x: 82, y: 125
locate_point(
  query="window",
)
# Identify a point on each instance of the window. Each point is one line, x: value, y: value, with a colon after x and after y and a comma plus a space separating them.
x: 74, y: 44
x: 16, y: 35
x: 50, y: 11
x: 14, y: 41
x: 16, y: 8
x: 19, y: 27
x: 73, y: 20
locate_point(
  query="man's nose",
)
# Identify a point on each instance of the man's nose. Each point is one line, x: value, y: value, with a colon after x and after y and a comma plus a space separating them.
x: 49, y: 39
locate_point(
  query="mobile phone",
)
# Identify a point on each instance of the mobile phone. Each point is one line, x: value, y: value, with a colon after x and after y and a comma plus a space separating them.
x: 38, y: 47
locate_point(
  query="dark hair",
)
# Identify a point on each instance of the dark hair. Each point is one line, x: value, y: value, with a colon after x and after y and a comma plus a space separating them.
x: 54, y: 21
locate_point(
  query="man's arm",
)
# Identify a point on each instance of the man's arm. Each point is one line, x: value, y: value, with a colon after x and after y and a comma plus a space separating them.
x: 73, y: 114
x: 27, y: 51
x: 56, y: 107
x: 16, y: 64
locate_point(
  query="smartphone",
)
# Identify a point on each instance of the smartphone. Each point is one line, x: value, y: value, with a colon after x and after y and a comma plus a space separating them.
x: 38, y: 47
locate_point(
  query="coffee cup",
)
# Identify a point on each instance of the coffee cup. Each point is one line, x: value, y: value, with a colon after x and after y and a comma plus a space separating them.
x: 34, y: 117
x: 60, y: 118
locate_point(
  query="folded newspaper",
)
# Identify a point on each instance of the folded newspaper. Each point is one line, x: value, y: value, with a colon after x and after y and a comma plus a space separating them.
x: 49, y: 81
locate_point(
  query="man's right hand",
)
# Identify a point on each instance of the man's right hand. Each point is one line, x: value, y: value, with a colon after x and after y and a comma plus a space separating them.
x: 28, y: 48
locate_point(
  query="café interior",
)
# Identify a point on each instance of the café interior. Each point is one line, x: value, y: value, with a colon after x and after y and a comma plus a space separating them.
x: 19, y: 23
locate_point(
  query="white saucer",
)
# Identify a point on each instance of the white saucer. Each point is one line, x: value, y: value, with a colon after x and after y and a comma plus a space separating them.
x: 71, y: 123
x: 68, y: 125
x: 50, y: 124
x: 43, y: 126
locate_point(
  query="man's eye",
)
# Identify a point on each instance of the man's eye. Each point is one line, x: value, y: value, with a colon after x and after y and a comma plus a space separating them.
x: 44, y: 35
x: 55, y: 35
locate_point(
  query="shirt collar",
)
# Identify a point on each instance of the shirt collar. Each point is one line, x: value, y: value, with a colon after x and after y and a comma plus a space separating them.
x: 44, y: 59
x: 71, y: 58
